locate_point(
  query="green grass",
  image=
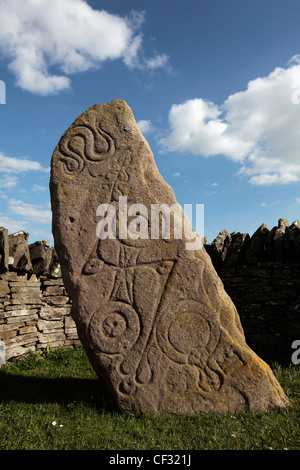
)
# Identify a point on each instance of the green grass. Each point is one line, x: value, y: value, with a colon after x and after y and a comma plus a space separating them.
x: 61, y: 387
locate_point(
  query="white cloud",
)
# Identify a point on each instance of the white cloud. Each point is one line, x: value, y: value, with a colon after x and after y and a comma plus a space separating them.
x: 8, y: 182
x: 32, y: 212
x: 157, y: 61
x: 42, y: 235
x: 68, y: 36
x: 257, y: 127
x: 38, y: 188
x: 12, y: 225
x: 19, y: 165
x: 175, y: 175
x: 145, y: 126
x: 197, y: 128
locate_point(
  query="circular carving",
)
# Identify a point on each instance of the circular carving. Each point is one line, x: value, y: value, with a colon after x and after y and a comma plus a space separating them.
x: 114, y: 328
x: 189, y: 331
x: 190, y: 328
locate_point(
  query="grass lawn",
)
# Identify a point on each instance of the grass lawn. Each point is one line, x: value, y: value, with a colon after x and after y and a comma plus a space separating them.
x: 54, y: 401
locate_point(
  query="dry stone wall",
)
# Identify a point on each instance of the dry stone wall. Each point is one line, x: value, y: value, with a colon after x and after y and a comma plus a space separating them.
x: 34, y: 305
x: 261, y: 274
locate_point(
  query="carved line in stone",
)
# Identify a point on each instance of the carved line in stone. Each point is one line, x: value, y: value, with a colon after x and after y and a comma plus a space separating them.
x: 144, y: 371
x: 78, y: 147
x: 202, y: 336
x: 129, y: 364
x: 110, y: 328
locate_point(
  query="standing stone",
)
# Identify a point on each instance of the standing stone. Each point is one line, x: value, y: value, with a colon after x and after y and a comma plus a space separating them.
x: 152, y: 315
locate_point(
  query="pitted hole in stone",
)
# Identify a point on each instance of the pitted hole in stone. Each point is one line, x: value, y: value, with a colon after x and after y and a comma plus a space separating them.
x: 189, y: 331
x: 114, y: 325
x: 92, y: 266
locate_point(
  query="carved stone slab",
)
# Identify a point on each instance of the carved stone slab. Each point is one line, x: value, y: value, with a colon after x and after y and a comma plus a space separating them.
x: 152, y: 315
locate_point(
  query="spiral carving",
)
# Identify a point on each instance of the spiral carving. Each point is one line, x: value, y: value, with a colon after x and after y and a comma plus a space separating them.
x: 84, y: 145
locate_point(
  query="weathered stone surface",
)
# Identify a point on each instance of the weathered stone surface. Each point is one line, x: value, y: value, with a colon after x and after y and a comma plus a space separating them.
x: 4, y: 250
x: 28, y: 329
x: 70, y: 328
x: 237, y: 248
x: 291, y: 241
x: 41, y: 257
x: 219, y: 248
x: 17, y: 351
x: 4, y: 289
x: 154, y: 317
x: 52, y: 338
x: 274, y: 242
x: 53, y: 313
x: 256, y: 249
x: 19, y: 256
x: 53, y: 290
x: 55, y: 270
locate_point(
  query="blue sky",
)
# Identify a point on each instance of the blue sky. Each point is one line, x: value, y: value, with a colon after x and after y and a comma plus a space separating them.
x: 214, y: 85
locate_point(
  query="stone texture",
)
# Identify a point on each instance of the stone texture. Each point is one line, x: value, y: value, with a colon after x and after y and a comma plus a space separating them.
x: 237, y: 248
x: 219, y: 248
x: 19, y: 256
x: 265, y: 287
x: 154, y: 317
x: 274, y: 242
x: 27, y: 321
x: 256, y: 249
x: 291, y: 241
x: 41, y: 257
x: 4, y: 250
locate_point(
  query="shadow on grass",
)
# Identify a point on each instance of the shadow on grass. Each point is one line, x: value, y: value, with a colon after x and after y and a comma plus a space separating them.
x: 63, y: 391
